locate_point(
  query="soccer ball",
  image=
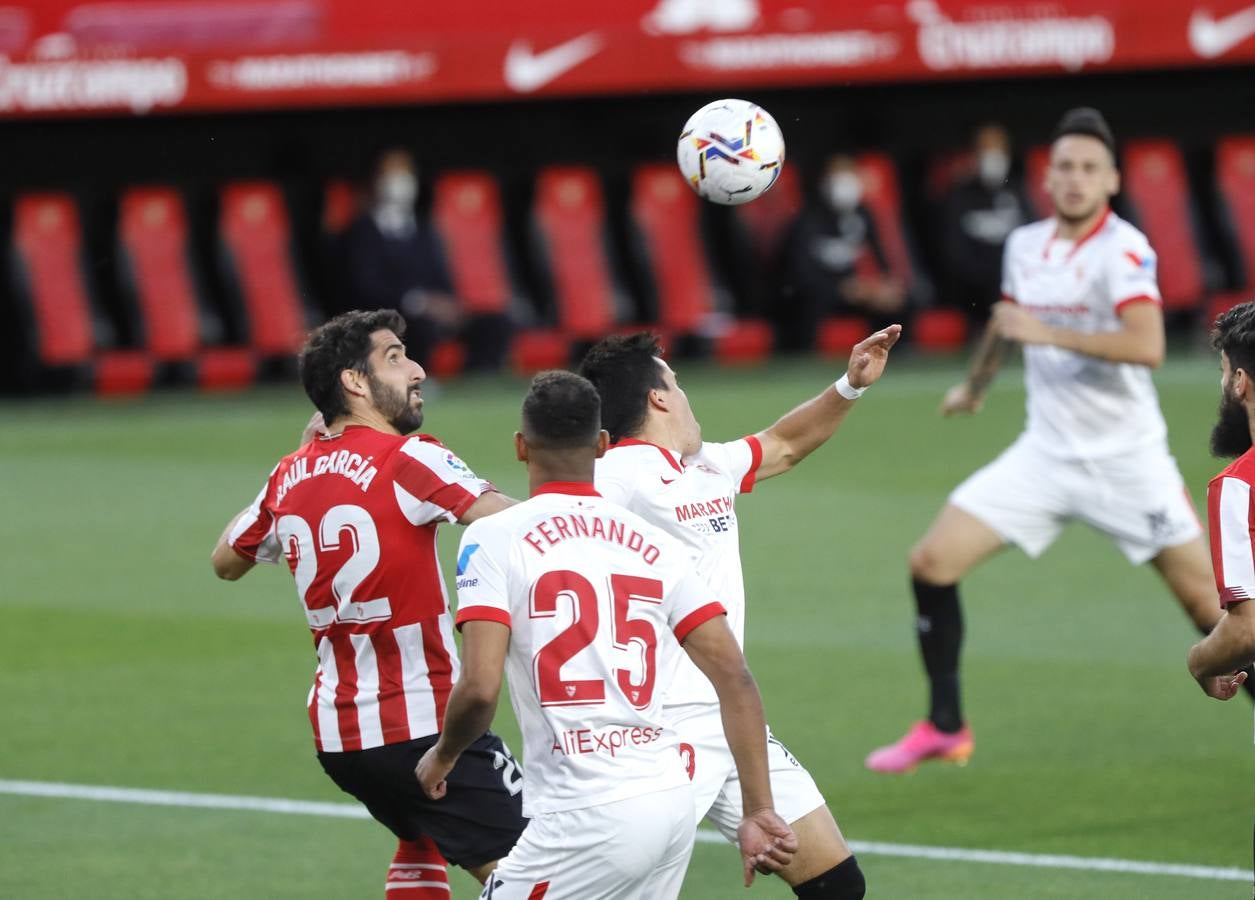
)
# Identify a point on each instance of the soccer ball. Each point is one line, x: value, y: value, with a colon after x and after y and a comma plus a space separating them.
x: 730, y: 151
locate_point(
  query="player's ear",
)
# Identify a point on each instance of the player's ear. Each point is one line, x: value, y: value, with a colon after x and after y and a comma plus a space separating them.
x: 353, y: 382
x: 603, y: 442
x: 520, y: 447
x: 657, y: 399
x: 1243, y: 387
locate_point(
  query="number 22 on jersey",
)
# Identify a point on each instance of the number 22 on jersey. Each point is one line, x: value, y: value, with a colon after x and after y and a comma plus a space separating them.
x: 298, y: 541
x: 631, y: 635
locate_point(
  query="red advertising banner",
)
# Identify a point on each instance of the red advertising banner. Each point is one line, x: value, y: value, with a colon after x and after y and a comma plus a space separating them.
x: 60, y: 57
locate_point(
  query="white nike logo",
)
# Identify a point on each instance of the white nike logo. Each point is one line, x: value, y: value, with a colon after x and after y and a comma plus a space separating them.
x: 525, y: 71
x: 1211, y: 37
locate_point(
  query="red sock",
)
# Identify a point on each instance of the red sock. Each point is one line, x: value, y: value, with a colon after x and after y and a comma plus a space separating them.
x: 417, y: 872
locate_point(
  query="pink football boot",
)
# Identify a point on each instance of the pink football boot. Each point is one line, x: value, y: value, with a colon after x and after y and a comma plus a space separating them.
x: 923, y: 742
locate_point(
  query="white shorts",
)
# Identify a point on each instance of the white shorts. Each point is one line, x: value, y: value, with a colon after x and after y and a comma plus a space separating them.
x: 1138, y: 499
x: 633, y: 849
x: 716, y: 787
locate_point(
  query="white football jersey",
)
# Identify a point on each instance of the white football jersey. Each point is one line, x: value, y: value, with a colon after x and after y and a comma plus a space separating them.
x: 588, y: 590
x: 1080, y: 407
x: 691, y: 500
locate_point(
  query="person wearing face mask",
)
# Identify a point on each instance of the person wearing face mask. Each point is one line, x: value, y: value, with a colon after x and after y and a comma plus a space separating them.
x: 394, y: 260
x: 834, y: 263
x: 979, y: 212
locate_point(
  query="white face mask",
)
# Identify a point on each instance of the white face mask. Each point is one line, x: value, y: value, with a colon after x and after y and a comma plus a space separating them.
x: 992, y: 166
x: 844, y: 190
x: 399, y: 188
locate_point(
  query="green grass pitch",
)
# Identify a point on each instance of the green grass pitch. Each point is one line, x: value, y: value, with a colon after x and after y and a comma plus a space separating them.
x: 124, y: 662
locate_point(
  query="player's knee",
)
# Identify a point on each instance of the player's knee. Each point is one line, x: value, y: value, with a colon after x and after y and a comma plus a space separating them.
x: 926, y: 564
x: 842, y: 882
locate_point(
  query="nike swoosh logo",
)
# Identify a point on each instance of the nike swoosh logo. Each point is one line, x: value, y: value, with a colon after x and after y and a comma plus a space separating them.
x: 526, y: 71
x: 1211, y: 37
x: 665, y: 480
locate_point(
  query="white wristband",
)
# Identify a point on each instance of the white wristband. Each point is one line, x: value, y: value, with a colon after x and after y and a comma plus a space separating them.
x: 847, y: 390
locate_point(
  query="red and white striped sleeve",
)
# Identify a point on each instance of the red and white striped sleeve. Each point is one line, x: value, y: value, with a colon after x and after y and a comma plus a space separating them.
x: 1230, y: 517
x: 433, y: 483
x: 253, y: 535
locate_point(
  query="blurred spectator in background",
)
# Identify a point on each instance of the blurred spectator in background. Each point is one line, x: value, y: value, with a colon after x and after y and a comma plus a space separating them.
x: 834, y: 263
x: 978, y: 214
x: 394, y: 260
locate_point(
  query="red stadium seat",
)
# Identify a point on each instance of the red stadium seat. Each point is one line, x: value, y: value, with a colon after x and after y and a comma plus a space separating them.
x: 1235, y: 178
x: 1036, y: 162
x: 1155, y: 182
x: 939, y: 330
x: 668, y: 216
x: 838, y: 335
x: 571, y: 220
x: 535, y: 351
x: 467, y: 215
x: 48, y: 240
x: 256, y: 237
x: 153, y: 235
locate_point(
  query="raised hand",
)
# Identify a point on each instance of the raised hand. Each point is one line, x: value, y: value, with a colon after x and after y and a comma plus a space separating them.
x: 868, y: 358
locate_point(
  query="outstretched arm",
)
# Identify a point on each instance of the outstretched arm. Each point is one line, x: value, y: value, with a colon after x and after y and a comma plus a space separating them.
x: 472, y: 703
x: 1138, y: 340
x: 803, y: 429
x: 1215, y: 660
x: 767, y: 842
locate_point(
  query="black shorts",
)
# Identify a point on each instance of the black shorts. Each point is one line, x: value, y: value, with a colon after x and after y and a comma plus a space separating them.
x: 480, y: 818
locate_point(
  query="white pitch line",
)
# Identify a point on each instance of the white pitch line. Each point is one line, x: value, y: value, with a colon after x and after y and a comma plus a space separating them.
x: 186, y: 799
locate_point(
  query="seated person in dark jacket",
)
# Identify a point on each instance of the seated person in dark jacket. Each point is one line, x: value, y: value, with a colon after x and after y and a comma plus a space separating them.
x: 834, y: 263
x: 979, y: 212
x: 394, y: 260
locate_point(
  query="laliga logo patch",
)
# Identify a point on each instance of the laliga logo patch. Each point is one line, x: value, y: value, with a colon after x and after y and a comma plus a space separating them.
x: 451, y: 460
x: 570, y: 690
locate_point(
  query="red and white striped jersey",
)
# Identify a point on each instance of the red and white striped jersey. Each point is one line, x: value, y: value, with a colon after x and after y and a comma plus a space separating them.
x: 355, y: 514
x: 693, y: 501
x: 588, y: 590
x: 1231, y: 522
x: 1080, y: 407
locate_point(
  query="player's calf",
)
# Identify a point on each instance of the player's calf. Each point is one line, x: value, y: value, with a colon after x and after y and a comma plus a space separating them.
x: 417, y: 872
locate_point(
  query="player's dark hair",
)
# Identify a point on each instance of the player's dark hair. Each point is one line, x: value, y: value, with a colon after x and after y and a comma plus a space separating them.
x: 624, y: 369
x: 1087, y: 121
x: 339, y: 344
x: 1234, y: 333
x: 561, y: 411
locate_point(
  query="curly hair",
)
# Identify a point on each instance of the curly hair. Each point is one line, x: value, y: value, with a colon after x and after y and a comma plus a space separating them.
x: 339, y: 344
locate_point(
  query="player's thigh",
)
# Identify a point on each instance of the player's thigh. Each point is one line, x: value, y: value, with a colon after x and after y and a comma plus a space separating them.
x: 477, y: 822
x: 793, y: 792
x: 633, y: 849
x: 1019, y: 498
x: 954, y: 544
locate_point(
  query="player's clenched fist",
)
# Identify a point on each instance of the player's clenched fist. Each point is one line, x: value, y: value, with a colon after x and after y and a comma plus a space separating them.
x: 868, y: 358
x: 767, y: 843
x: 431, y: 773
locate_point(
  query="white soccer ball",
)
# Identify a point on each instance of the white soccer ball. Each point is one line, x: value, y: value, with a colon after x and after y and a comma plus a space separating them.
x: 730, y: 151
